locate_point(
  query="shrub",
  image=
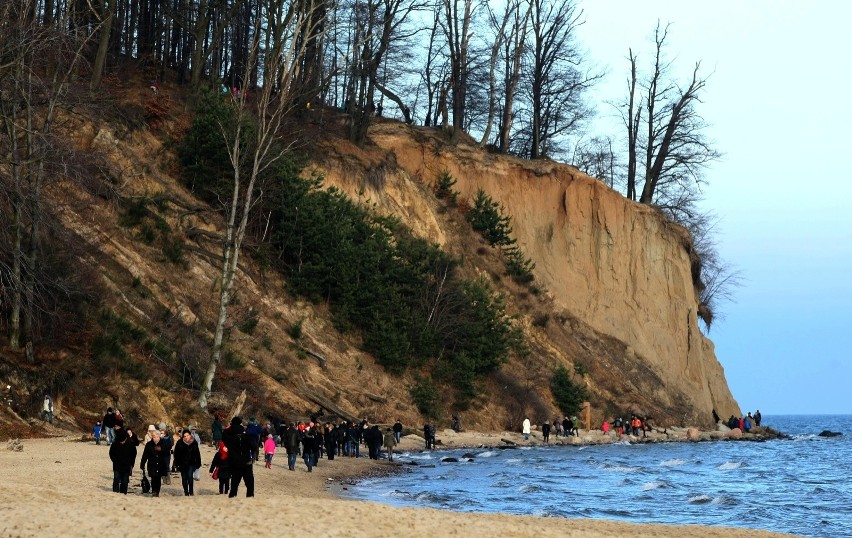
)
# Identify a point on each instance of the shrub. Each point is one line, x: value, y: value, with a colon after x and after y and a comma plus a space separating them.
x: 486, y: 217
x: 295, y: 330
x: 444, y: 188
x: 426, y: 397
x: 569, y: 396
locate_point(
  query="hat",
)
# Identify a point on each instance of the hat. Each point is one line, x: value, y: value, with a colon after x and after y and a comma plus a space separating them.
x: 236, y: 421
x: 252, y: 420
x: 151, y: 427
x: 162, y: 425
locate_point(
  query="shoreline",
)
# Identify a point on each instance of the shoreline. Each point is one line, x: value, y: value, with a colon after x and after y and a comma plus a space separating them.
x: 64, y: 486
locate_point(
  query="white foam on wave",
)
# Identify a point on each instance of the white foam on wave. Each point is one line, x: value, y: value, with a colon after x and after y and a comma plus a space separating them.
x: 488, y: 454
x: 619, y: 468
x: 729, y: 465
x: 417, y: 455
x: 672, y: 463
x: 513, y: 460
x: 700, y: 499
x: 653, y: 485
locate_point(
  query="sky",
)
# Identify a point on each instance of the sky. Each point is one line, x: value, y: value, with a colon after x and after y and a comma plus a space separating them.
x: 779, y: 104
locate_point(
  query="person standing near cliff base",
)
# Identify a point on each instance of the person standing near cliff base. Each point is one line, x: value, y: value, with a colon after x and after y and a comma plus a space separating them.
x: 526, y: 428
x: 122, y: 453
x: 187, y: 460
x: 155, y: 455
x: 109, y: 425
x: 240, y: 457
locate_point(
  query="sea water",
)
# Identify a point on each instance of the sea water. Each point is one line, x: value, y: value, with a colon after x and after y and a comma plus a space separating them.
x: 802, y: 485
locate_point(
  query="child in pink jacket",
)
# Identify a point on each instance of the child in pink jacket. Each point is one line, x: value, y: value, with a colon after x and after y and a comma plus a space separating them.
x: 269, y: 450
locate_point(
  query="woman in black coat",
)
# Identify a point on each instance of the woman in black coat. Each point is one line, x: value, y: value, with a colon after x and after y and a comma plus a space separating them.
x: 156, y: 455
x: 187, y: 460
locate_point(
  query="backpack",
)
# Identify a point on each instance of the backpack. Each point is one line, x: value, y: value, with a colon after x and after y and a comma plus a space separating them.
x: 146, y: 484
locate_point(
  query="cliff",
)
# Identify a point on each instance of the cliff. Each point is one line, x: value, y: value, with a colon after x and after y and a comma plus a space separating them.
x: 613, y: 296
x: 611, y: 264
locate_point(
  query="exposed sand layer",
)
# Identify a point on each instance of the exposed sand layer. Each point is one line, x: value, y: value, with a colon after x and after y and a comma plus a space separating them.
x: 64, y: 488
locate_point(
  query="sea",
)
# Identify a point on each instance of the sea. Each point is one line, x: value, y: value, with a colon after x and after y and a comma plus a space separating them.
x: 801, y: 485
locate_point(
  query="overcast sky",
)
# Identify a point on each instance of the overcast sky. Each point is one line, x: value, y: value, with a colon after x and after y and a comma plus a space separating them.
x: 778, y: 101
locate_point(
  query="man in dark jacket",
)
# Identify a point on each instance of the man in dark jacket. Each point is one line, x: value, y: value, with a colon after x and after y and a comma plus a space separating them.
x: 216, y: 430
x: 253, y: 431
x: 330, y: 440
x: 291, y: 444
x: 373, y: 438
x: 109, y: 425
x: 122, y: 452
x: 240, y: 457
x: 397, y: 431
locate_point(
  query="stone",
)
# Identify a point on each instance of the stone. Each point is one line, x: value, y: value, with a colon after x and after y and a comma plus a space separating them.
x: 693, y: 434
x: 736, y: 433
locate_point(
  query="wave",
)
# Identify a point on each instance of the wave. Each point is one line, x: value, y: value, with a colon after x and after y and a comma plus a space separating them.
x: 706, y: 499
x: 730, y: 465
x: 648, y: 486
x: 530, y: 488
x: 488, y: 454
x: 417, y: 455
x: 672, y: 463
x: 619, y: 468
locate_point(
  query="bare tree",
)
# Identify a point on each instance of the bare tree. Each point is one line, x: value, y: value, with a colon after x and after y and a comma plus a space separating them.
x: 556, y: 83
x: 378, y: 23
x: 456, y: 24
x: 676, y: 151
x: 36, y: 67
x: 509, y: 35
x: 295, y: 28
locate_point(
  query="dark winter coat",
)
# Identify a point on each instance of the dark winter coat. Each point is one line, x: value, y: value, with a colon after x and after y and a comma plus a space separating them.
x: 156, y: 455
x: 122, y: 453
x: 216, y: 429
x: 291, y: 441
x: 187, y: 455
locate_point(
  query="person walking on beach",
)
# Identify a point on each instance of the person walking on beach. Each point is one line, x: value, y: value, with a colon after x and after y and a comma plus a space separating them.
x: 566, y: 426
x: 47, y: 409
x: 429, y: 436
x: 397, y: 431
x: 308, y: 444
x: 122, y: 453
x: 216, y: 430
x: 545, y: 431
x: 187, y: 460
x: 526, y: 427
x: 268, y: 450
x: 220, y: 468
x: 155, y: 454
x: 239, y: 457
x: 291, y: 444
x: 390, y: 442
x: 109, y: 425
x: 96, y: 432
x: 330, y: 438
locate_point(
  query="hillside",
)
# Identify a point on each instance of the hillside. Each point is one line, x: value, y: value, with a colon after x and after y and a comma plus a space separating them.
x: 613, y: 297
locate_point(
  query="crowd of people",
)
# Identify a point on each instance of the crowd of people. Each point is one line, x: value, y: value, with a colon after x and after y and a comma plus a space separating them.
x: 238, y: 447
x: 636, y: 425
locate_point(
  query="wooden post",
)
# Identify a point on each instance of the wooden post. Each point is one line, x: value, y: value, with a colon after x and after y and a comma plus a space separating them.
x: 588, y: 408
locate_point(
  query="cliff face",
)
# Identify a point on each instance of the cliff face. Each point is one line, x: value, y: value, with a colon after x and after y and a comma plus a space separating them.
x: 611, y: 264
x: 617, y: 304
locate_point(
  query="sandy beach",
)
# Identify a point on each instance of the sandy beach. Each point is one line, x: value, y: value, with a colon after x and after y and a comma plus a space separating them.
x: 64, y: 488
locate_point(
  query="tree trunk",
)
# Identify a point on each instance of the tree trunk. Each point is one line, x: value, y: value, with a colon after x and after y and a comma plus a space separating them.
x: 108, y: 8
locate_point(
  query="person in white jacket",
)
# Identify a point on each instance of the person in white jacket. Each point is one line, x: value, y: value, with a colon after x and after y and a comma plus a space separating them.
x: 526, y: 429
